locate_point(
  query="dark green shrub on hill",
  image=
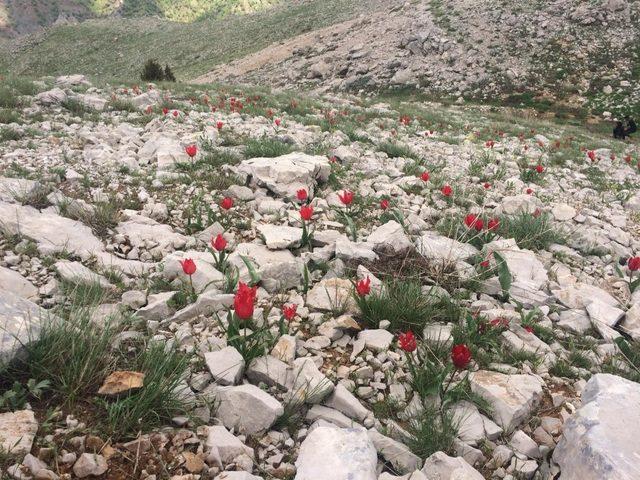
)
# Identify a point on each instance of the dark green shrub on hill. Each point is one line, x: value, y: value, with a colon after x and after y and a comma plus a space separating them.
x: 152, y: 71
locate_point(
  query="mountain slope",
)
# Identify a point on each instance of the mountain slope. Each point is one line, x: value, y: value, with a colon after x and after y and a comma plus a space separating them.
x: 116, y: 48
x: 19, y: 17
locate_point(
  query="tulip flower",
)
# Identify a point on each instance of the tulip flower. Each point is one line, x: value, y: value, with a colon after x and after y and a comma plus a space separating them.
x: 425, y: 176
x: 346, y: 197
x: 407, y: 341
x: 473, y: 221
x: 219, y: 243
x: 188, y: 266
x: 219, y: 125
x: 165, y: 110
x: 539, y: 168
x: 243, y: 301
x: 191, y: 150
x: 289, y: 311
x: 227, y: 203
x: 306, y: 212
x: 493, y: 224
x: 487, y: 186
x: 528, y: 329
x: 302, y: 195
x: 363, y: 287
x: 592, y: 155
x: 460, y: 356
x: 447, y: 190
x: 277, y: 122
x: 384, y: 204
x: 175, y: 113
x: 484, y: 264
x: 634, y: 264
x: 529, y: 191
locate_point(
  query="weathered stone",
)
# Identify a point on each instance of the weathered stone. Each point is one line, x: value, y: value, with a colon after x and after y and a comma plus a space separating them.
x: 17, y: 431
x: 394, y: 452
x: 11, y: 281
x: 377, y: 340
x: 440, y: 466
x: 227, y: 445
x: 309, y: 384
x: 332, y: 453
x: 271, y: 371
x: 226, y: 365
x: 90, y: 465
x: 600, y: 440
x: 121, y: 382
x: 512, y: 397
x: 278, y: 237
x: 390, y: 238
x: 247, y: 408
x: 438, y: 247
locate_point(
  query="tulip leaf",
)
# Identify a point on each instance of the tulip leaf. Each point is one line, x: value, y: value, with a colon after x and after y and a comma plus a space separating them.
x: 255, y: 276
x: 504, y: 275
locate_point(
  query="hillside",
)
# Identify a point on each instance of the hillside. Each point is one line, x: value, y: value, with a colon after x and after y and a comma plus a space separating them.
x: 19, y: 17
x: 571, y: 54
x: 195, y: 48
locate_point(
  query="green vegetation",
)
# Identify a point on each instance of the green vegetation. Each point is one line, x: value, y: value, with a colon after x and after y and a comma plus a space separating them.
x: 141, y: 38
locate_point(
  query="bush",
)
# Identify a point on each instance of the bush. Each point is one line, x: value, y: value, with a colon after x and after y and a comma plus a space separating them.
x: 152, y: 71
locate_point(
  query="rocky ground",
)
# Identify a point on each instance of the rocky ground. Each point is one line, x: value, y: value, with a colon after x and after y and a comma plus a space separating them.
x: 578, y: 53
x: 228, y: 283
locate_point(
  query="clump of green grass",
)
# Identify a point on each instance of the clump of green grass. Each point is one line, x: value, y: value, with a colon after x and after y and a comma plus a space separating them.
x: 266, y: 147
x: 156, y: 402
x: 562, y: 368
x: 85, y: 294
x: 432, y: 431
x: 402, y: 303
x: 8, y: 98
x: 7, y: 134
x: 76, y: 107
x: 9, y: 115
x: 532, y: 232
x: 122, y: 105
x: 394, y: 150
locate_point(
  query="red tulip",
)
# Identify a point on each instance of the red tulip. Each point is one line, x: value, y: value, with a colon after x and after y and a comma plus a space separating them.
x: 244, y: 300
x: 407, y: 341
x: 592, y: 155
x: 425, y: 176
x: 346, y: 197
x: 289, y: 311
x: 447, y: 190
x: 499, y: 322
x: 175, y: 113
x: 363, y: 287
x: 277, y: 121
x: 188, y: 266
x: 191, y: 150
x: 227, y: 203
x: 219, y: 243
x: 219, y: 125
x: 405, y: 119
x: 460, y: 356
x: 634, y: 264
x: 493, y: 224
x: 489, y: 144
x: 302, y: 194
x: 612, y: 156
x: 627, y: 159
x: 528, y: 329
x: 473, y: 221
x: 487, y: 185
x: 149, y: 110
x: 269, y: 113
x: 539, y: 168
x: 529, y: 191
x: 384, y: 204
x: 484, y: 264
x: 306, y: 212
x: 165, y: 110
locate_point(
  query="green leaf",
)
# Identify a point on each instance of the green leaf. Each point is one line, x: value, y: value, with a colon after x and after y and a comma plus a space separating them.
x: 255, y: 276
x: 504, y: 275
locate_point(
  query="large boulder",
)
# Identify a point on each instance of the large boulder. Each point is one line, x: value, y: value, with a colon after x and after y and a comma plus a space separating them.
x: 279, y: 270
x: 434, y: 246
x: 21, y: 322
x: 600, y: 441
x: 390, y: 238
x: 287, y: 174
x: 332, y: 453
x: 164, y: 149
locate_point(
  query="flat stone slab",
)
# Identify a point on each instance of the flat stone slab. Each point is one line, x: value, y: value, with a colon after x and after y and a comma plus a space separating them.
x: 12, y: 281
x: 17, y: 432
x: 600, y: 440
x: 332, y: 453
x: 20, y: 323
x: 512, y: 397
